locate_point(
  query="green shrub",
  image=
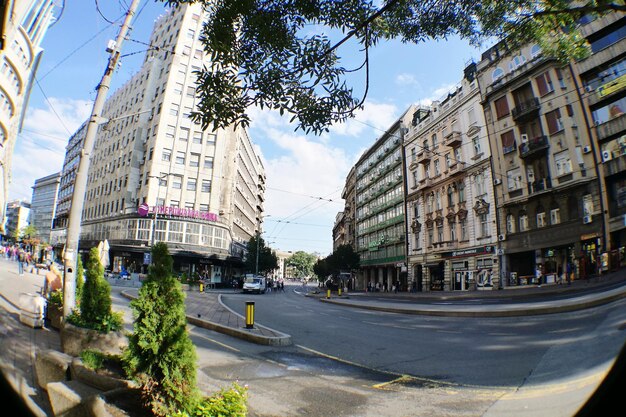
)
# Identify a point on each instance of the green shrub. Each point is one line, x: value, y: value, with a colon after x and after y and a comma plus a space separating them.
x: 80, y: 280
x: 95, y: 304
x: 160, y: 354
x: 93, y: 359
x: 230, y: 402
x: 56, y: 298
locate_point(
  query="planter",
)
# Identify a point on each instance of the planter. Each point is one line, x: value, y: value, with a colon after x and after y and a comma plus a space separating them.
x: 76, y: 339
x: 104, y: 381
x: 54, y: 314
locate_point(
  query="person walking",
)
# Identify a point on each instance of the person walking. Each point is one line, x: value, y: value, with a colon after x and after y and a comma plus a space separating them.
x: 538, y: 275
x: 52, y: 281
x: 21, y: 258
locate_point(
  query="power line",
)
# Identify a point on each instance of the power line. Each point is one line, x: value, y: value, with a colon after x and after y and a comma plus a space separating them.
x: 51, y: 106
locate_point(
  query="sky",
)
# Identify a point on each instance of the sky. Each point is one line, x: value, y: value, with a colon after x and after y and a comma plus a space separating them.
x: 305, y: 173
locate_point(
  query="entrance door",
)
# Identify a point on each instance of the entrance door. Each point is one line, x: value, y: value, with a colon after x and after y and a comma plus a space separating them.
x: 418, y: 277
x: 459, y: 280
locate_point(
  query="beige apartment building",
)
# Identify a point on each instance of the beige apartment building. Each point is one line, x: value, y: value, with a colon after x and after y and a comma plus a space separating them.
x: 157, y: 176
x: 451, y: 212
x: 343, y: 229
x: 546, y: 185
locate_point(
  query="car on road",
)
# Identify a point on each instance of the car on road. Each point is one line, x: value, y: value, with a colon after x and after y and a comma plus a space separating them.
x: 254, y: 283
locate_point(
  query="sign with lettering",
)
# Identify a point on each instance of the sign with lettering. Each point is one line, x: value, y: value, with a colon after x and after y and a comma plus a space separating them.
x: 176, y: 211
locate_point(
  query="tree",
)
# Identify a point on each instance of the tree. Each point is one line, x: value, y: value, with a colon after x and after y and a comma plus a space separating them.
x: 321, y: 269
x: 303, y: 263
x: 344, y: 258
x: 267, y: 260
x: 160, y: 353
x: 276, y: 54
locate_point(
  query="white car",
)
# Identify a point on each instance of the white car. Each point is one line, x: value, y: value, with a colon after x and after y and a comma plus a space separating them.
x: 254, y: 284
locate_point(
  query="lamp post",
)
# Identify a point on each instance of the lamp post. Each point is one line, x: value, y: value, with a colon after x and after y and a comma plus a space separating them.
x: 156, y: 202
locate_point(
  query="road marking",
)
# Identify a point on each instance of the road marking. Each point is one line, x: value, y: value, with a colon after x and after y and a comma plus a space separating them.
x: 191, y: 327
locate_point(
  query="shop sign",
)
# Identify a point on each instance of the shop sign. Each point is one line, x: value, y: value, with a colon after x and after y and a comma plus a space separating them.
x: 612, y: 86
x: 147, y: 258
x: 589, y: 236
x: 472, y: 251
x: 177, y: 212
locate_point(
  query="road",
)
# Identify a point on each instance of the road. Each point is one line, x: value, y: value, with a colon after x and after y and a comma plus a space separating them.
x: 347, y: 362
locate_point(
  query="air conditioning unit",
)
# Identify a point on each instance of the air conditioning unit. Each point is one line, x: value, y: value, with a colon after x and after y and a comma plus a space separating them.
x: 587, y: 149
x: 606, y: 156
x: 587, y: 219
x: 589, y: 88
x: 524, y: 137
x: 501, y: 237
x: 497, y: 181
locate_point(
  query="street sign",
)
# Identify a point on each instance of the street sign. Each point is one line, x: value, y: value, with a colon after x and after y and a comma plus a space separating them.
x: 147, y: 258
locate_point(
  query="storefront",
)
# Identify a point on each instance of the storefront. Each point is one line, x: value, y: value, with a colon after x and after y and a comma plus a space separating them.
x: 472, y: 269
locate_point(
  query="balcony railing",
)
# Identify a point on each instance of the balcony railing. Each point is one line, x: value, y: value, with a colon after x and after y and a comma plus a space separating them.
x: 533, y: 146
x: 453, y: 139
x: 539, y: 185
x: 612, y: 127
x: 526, y: 110
x: 424, y: 157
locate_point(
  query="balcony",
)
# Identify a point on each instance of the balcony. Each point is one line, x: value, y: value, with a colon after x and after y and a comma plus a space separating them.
x: 424, y: 157
x: 542, y: 184
x: 452, y: 139
x: 526, y: 110
x: 534, y: 147
x: 613, y: 127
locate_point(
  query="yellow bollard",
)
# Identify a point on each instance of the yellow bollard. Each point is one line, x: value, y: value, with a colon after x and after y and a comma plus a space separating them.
x: 339, y: 291
x: 328, y: 293
x: 201, y: 287
x: 249, y: 314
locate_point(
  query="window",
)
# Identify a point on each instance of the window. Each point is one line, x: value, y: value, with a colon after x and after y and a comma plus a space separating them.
x: 191, y: 91
x: 514, y: 179
x: 425, y: 146
x: 458, y: 156
x: 541, y: 218
x: 438, y: 201
x: 508, y: 142
x: 186, y: 50
x: 523, y: 222
x: 555, y: 216
x: 210, y: 137
x: 197, y: 54
x: 180, y: 157
x: 427, y: 171
x: 187, y: 111
x: 170, y: 131
x: 174, y: 109
x: 178, y: 89
x: 497, y: 74
x: 484, y: 225
x: 440, y: 233
x: 461, y: 189
x: 448, y: 160
x: 415, y: 178
x: 204, y: 208
x: 559, y: 76
x: 480, y: 185
x: 184, y: 134
x: 450, y: 197
x: 206, y: 186
x: 510, y: 223
x: 555, y: 124
x: 563, y: 163
x: 434, y: 140
x: 463, y: 225
x: 453, y: 232
x: 197, y: 137
x: 471, y: 118
x: 174, y: 203
x: 208, y: 162
x: 502, y: 107
x: 192, y: 183
x: 194, y: 160
x: 177, y: 182
x: 437, y: 169
x: 430, y: 236
x: 166, y: 155
x: 476, y: 143
x: 413, y: 154
x: 191, y: 33
x: 544, y: 83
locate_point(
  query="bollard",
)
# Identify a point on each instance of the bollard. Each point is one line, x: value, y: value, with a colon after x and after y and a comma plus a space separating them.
x: 249, y: 314
x: 328, y: 293
x: 339, y: 291
x: 201, y: 287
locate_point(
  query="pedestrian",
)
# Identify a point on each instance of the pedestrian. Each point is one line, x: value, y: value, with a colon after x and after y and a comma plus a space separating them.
x: 52, y: 281
x: 570, y: 273
x: 538, y: 275
x: 282, y: 285
x: 21, y: 258
x: 559, y: 274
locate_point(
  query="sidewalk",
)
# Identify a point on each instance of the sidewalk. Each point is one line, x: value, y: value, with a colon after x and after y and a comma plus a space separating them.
x: 205, y: 309
x: 511, y: 301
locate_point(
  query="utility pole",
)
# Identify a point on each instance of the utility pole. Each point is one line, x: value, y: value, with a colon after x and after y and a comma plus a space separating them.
x: 80, y: 185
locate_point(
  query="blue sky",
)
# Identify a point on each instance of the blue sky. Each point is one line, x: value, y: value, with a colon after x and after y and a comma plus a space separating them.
x: 305, y: 173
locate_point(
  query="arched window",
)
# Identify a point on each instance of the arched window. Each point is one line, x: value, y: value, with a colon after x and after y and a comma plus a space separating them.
x: 510, y: 223
x: 450, y: 197
x: 535, y: 51
x: 461, y: 190
x: 497, y: 74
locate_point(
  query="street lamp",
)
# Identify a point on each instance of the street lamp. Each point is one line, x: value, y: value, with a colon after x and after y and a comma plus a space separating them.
x: 156, y: 202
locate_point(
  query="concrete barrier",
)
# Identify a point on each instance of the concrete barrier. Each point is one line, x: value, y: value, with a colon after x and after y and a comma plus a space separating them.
x: 76, y: 339
x: 51, y: 366
x: 79, y: 372
x: 67, y: 397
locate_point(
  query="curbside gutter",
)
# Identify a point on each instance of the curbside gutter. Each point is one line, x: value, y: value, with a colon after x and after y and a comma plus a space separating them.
x: 506, y: 310
x: 281, y: 339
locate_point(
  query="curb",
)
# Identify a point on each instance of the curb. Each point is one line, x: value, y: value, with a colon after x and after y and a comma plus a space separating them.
x: 282, y: 340
x: 494, y: 311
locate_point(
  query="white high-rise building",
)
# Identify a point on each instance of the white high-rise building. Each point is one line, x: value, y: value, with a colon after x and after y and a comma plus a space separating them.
x: 43, y: 205
x: 151, y: 161
x: 23, y: 25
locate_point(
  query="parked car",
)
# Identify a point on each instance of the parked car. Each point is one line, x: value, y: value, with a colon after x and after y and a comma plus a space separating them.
x: 254, y: 283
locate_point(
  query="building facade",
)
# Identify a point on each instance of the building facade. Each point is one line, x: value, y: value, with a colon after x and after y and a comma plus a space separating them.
x: 17, y: 216
x: 450, y: 209
x: 549, y: 210
x: 24, y: 24
x: 602, y: 88
x: 43, y: 205
x: 380, y: 228
x: 157, y: 176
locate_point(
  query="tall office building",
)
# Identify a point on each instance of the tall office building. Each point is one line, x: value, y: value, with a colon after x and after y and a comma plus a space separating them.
x: 17, y: 216
x: 156, y: 176
x: 23, y: 25
x: 43, y: 205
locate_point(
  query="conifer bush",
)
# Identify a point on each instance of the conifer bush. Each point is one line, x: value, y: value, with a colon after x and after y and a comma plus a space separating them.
x: 95, y: 302
x: 160, y: 354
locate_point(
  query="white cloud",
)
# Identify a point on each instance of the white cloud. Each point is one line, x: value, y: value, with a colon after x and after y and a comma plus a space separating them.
x: 406, y: 79
x: 40, y: 148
